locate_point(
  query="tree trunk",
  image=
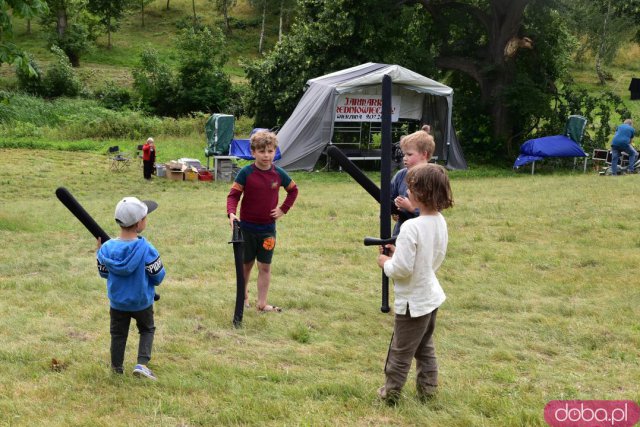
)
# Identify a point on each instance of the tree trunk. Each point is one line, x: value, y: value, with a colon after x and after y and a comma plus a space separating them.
x: 142, y: 8
x: 61, y: 21
x: 109, y: 34
x: 225, y: 12
x: 29, y: 26
x: 167, y: 5
x: 195, y: 18
x: 493, y: 69
x: 601, y: 48
x: 281, y: 20
x: 264, y: 14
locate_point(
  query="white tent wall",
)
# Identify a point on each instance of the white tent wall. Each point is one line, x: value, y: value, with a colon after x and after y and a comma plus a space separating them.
x: 307, y: 132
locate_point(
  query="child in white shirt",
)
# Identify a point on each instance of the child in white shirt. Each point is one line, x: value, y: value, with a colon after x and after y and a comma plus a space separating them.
x: 412, y: 264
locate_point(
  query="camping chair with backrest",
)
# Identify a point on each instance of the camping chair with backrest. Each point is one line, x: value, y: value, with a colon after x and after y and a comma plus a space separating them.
x: 118, y: 160
x: 623, y: 164
x: 138, y: 156
x: 565, y: 145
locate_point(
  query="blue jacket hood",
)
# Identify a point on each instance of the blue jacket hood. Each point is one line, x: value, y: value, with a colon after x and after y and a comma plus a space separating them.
x: 133, y: 269
x: 123, y: 259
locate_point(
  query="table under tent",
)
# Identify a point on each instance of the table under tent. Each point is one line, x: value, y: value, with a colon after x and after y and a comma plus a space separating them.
x: 344, y: 109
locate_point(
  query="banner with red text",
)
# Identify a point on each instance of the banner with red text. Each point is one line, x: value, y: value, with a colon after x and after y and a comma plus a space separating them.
x: 364, y: 108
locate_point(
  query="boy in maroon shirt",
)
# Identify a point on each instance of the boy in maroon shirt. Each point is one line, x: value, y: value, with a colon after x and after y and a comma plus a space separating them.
x: 258, y: 184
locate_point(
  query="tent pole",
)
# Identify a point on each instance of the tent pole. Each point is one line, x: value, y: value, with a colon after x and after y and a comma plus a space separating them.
x: 448, y: 130
x: 385, y: 179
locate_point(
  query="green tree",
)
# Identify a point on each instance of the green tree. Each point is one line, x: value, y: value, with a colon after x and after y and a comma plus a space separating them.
x: 261, y: 5
x: 605, y: 25
x: 9, y: 52
x: 109, y: 12
x: 224, y: 7
x: 155, y: 84
x: 328, y: 35
x: 203, y: 85
x: 141, y: 4
x: 71, y: 27
x: 483, y: 41
x: 286, y: 9
x: 61, y: 79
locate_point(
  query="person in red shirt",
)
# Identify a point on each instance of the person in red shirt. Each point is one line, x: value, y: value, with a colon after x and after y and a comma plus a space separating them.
x: 148, y: 158
x: 258, y: 185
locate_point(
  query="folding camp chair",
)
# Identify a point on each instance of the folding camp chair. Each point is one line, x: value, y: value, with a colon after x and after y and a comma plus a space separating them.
x: 138, y: 156
x: 119, y: 161
x: 623, y: 164
x: 565, y: 145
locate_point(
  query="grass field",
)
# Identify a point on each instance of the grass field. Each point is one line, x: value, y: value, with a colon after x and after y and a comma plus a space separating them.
x: 540, y: 278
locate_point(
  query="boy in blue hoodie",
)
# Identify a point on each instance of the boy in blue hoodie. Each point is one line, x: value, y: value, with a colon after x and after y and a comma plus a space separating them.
x: 133, y: 269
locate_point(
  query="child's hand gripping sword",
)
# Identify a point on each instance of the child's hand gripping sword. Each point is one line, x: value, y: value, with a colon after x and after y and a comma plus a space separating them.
x: 373, y: 241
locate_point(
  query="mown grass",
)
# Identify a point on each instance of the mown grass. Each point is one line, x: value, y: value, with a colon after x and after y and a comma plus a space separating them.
x: 541, y: 303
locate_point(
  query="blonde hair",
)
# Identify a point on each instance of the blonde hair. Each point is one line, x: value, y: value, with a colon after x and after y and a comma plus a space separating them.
x: 421, y: 140
x: 628, y: 122
x: 150, y: 140
x: 263, y: 139
x: 429, y: 184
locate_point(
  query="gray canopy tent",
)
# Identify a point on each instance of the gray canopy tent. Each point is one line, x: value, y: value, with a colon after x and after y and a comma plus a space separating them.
x: 351, y: 94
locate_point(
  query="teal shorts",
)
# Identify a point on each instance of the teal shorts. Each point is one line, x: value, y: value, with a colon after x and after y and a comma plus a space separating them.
x: 259, y: 246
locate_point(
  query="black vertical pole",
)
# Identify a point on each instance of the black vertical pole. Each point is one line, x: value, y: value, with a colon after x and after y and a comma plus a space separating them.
x: 385, y: 180
x: 237, y: 240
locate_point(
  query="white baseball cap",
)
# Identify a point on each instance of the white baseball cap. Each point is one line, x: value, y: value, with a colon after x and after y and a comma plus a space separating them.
x: 130, y: 210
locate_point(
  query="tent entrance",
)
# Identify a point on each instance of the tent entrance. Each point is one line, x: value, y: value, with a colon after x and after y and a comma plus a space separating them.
x: 360, y: 141
x: 364, y: 137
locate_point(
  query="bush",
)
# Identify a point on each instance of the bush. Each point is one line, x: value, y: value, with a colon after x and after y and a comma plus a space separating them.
x: 113, y: 97
x: 61, y: 79
x: 76, y: 41
x: 241, y: 24
x: 237, y: 99
x: 28, y: 82
x: 155, y: 84
x: 187, y: 22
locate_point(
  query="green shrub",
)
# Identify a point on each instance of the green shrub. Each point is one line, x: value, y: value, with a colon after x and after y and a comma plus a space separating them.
x: 185, y: 126
x: 111, y: 125
x: 113, y: 97
x: 61, y: 79
x: 155, y: 84
x: 76, y: 41
x: 30, y: 82
x: 73, y: 119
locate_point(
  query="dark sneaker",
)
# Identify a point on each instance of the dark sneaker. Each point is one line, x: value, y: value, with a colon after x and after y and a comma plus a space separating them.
x: 117, y: 370
x: 143, y: 371
x: 389, y: 397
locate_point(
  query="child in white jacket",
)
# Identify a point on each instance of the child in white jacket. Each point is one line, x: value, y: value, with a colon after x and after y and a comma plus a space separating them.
x: 412, y: 264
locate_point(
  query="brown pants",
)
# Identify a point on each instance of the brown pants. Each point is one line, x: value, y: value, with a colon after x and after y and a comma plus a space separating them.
x: 412, y: 337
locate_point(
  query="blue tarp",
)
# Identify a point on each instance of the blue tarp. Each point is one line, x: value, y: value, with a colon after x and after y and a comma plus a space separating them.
x: 242, y: 148
x: 548, y: 146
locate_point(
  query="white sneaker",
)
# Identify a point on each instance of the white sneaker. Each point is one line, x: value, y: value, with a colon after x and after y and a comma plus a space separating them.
x: 143, y: 371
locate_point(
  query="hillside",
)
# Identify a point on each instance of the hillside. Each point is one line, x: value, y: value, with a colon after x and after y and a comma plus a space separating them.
x: 161, y: 26
x: 104, y: 65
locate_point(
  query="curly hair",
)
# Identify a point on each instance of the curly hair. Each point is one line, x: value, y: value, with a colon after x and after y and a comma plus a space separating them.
x: 429, y: 184
x: 263, y: 139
